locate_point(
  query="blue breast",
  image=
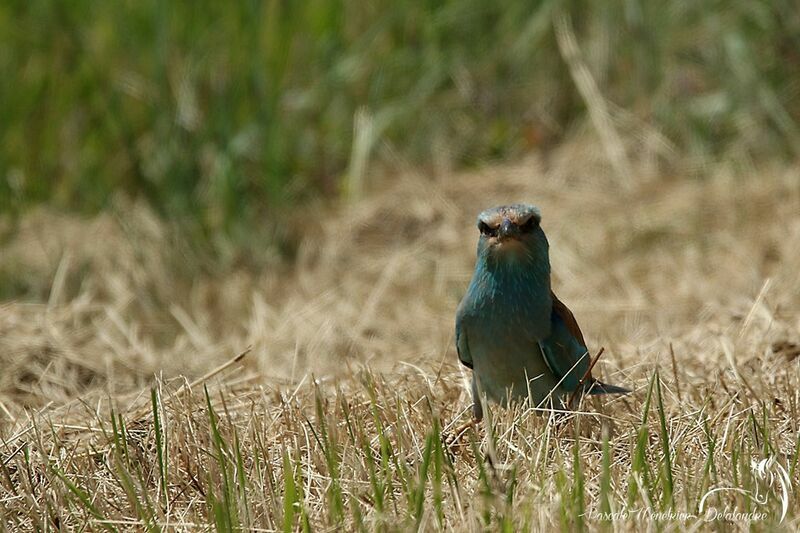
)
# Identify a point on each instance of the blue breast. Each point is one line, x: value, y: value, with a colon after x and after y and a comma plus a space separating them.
x: 508, y: 313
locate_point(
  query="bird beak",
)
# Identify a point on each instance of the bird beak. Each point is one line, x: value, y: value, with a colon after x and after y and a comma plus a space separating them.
x: 507, y: 230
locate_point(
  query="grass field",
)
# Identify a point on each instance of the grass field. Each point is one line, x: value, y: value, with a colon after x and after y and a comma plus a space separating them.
x: 123, y: 405
x: 233, y: 239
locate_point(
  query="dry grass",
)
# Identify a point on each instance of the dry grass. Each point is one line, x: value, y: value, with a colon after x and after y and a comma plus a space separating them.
x: 334, y: 419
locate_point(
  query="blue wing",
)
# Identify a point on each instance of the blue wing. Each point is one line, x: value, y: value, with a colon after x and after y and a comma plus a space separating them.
x: 564, y: 350
x: 461, y: 339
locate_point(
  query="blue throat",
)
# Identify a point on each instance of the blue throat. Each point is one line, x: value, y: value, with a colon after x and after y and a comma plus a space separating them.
x: 513, y: 291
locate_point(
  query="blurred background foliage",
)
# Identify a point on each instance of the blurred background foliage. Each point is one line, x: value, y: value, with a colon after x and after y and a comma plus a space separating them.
x: 224, y: 113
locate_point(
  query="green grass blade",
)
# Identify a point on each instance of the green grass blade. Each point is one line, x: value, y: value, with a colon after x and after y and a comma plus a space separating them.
x: 161, y: 446
x: 668, y: 484
x: 290, y: 499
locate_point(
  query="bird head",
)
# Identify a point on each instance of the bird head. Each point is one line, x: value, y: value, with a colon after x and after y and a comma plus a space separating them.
x: 512, y: 233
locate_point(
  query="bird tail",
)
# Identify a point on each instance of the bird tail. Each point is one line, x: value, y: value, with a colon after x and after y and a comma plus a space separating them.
x: 598, y: 387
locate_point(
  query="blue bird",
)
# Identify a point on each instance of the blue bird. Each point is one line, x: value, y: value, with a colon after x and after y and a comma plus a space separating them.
x: 518, y: 338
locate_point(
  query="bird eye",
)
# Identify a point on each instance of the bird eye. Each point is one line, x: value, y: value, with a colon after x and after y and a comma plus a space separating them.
x: 529, y: 225
x: 485, y: 229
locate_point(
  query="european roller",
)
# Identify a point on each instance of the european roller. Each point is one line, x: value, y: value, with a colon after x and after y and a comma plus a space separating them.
x: 518, y: 338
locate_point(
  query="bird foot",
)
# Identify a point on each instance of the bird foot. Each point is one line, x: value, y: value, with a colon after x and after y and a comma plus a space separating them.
x: 453, y: 440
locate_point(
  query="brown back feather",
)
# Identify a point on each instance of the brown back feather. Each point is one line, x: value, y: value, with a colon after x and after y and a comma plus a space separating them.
x: 572, y: 325
x: 569, y: 319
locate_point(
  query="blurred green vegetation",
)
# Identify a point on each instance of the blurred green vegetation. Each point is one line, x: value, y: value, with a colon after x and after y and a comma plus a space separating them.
x: 221, y: 112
